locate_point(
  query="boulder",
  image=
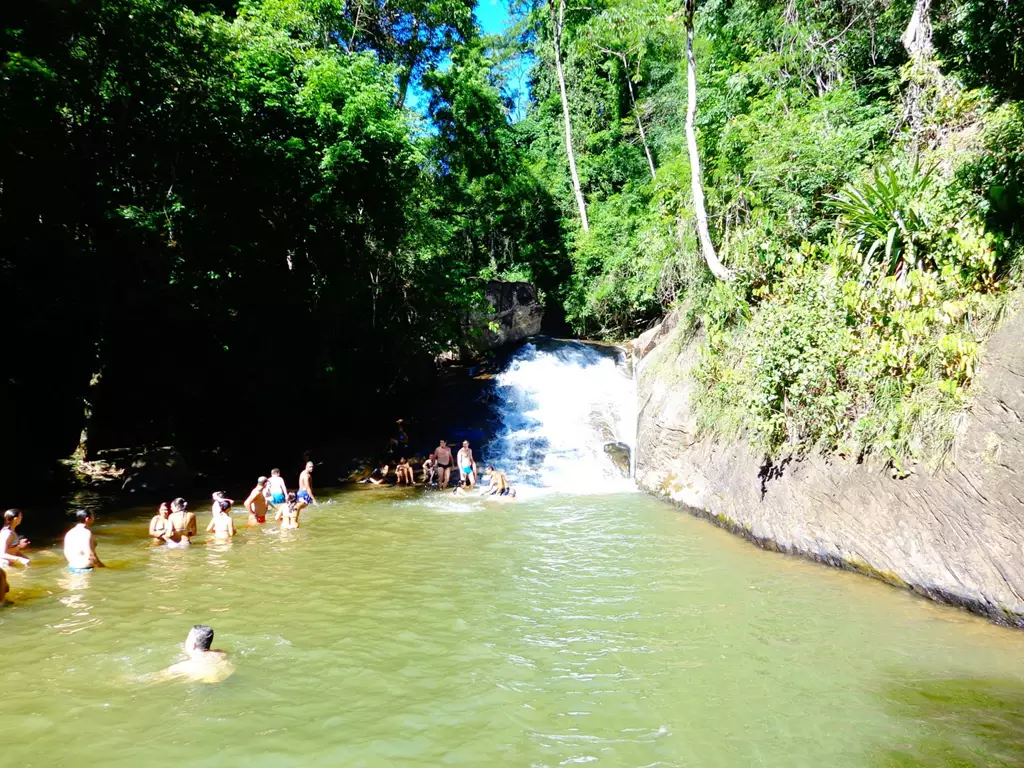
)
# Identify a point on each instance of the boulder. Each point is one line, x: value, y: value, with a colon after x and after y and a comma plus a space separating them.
x: 514, y: 315
x: 620, y: 455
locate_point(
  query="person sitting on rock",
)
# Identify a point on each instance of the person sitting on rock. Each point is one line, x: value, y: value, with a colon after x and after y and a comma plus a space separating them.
x: 380, y: 475
x: 430, y: 469
x: 403, y: 472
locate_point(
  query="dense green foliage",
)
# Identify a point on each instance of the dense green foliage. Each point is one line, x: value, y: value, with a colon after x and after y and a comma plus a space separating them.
x: 223, y: 219
x: 868, y: 204
x: 226, y: 222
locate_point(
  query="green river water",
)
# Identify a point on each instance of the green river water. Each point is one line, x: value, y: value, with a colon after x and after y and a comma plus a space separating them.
x: 402, y: 628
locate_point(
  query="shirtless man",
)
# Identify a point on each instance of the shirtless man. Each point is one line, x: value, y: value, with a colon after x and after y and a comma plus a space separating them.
x: 256, y: 503
x: 203, y: 664
x: 306, y: 484
x: 277, y: 487
x: 183, y: 524
x: 499, y: 482
x: 80, y: 546
x: 222, y: 526
x: 444, y: 464
x: 467, y: 466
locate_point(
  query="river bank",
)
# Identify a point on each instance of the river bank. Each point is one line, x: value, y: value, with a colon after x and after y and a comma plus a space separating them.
x: 955, y: 535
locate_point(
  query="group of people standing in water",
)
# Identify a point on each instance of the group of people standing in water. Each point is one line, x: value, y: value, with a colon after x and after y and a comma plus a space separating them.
x: 175, y: 526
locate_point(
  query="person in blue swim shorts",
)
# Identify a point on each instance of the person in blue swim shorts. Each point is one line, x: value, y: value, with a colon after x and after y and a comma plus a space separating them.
x: 306, y: 485
x: 467, y: 465
x: 277, y: 487
x: 80, y: 546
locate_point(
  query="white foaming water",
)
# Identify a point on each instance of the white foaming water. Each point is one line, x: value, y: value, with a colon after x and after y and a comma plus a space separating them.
x: 561, y: 403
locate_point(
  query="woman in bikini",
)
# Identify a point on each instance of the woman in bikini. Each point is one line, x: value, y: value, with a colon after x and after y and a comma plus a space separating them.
x: 288, y: 515
x: 160, y: 525
x: 183, y: 524
x: 222, y: 526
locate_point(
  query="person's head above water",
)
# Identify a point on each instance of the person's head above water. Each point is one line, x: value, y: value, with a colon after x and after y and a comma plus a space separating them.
x: 309, y: 466
x: 443, y: 443
x: 275, y: 472
x: 178, y: 505
x: 224, y: 505
x: 261, y: 480
x: 12, y: 517
x: 465, y: 443
x: 83, y: 516
x: 199, y: 639
x: 165, y: 509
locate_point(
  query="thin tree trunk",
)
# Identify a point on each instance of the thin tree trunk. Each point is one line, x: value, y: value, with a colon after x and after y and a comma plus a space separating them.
x: 557, y: 25
x: 636, y: 112
x: 82, y: 451
x: 714, y: 264
x: 415, y: 49
x: 355, y: 28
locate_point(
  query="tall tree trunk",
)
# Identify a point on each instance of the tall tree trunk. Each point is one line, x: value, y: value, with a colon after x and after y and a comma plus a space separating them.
x: 557, y: 23
x: 717, y: 268
x: 415, y: 50
x: 917, y: 38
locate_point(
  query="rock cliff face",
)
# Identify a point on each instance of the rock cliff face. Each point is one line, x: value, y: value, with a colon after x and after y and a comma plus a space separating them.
x: 515, y: 315
x: 955, y: 535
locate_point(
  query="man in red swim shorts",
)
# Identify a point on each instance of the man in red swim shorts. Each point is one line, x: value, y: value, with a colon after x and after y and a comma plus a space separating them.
x: 256, y: 503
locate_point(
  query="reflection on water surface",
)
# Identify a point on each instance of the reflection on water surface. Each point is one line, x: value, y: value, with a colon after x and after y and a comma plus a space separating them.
x: 398, y: 628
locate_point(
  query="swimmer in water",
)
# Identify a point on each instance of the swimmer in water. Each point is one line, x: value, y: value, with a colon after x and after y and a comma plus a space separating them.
x: 277, y: 487
x: 222, y: 526
x: 11, y: 544
x: 306, y: 484
x: 80, y: 546
x: 183, y: 524
x: 160, y: 525
x: 288, y: 515
x: 203, y: 664
x: 256, y: 503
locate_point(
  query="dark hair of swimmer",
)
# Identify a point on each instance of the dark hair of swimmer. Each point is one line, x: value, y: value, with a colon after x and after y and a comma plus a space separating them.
x: 291, y: 497
x: 224, y: 505
x: 11, y: 515
x: 179, y: 504
x: 82, y: 515
x: 203, y: 637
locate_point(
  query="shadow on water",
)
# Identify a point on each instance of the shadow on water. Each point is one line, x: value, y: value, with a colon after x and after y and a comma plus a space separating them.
x: 962, y: 722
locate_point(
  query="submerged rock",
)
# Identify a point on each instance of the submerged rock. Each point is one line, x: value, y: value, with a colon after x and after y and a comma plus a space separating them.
x: 956, y: 535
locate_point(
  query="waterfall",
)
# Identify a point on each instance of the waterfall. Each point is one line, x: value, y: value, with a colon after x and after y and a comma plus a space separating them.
x: 561, y: 404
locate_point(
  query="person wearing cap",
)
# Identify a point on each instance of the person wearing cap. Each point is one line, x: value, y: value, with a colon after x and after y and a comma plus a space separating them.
x: 256, y: 503
x: 222, y: 526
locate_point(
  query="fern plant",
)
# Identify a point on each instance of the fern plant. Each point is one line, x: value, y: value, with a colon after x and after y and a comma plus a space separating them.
x: 883, y: 212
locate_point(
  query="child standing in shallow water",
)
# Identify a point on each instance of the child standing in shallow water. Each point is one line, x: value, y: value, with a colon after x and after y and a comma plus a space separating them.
x: 288, y: 515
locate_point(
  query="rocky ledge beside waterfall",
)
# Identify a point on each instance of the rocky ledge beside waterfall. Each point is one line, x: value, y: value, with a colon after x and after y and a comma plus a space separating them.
x: 955, y: 534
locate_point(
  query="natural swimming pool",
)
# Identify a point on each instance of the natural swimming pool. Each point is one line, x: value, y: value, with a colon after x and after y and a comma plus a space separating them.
x: 410, y: 628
